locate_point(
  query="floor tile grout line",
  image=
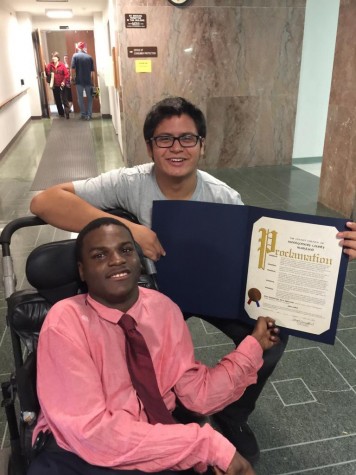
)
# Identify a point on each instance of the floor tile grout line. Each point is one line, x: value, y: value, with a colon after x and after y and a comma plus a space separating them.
x: 327, y: 358
x: 347, y: 290
x: 346, y: 348
x: 310, y: 442
x: 3, y: 336
x: 213, y: 346
x: 337, y: 370
x: 348, y: 316
x: 337, y: 464
x: 4, y: 436
x: 275, y: 384
x: 332, y: 391
x: 291, y: 350
x: 5, y: 375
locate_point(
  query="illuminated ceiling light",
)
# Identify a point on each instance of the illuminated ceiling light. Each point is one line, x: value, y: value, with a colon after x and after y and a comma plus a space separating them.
x: 59, y: 13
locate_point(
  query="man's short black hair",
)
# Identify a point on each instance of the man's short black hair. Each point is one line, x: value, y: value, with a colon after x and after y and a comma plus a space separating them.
x: 170, y: 107
x: 95, y: 224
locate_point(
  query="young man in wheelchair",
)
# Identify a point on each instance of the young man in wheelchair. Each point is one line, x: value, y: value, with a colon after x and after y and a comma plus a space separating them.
x: 89, y: 405
x: 174, y: 131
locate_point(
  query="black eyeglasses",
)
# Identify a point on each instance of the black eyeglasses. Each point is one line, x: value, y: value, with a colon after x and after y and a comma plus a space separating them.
x: 167, y: 141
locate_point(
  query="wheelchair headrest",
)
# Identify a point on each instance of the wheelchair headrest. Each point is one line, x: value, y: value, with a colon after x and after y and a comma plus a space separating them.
x: 52, y: 269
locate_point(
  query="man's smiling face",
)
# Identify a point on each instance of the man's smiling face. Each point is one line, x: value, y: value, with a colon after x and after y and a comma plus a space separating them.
x: 110, y: 266
x: 176, y: 161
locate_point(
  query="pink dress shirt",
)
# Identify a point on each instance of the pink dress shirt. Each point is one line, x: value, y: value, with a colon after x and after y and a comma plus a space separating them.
x: 88, y: 401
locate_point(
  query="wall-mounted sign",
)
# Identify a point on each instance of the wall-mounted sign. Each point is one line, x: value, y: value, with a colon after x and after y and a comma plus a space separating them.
x: 142, y: 51
x: 143, y: 65
x: 135, y: 20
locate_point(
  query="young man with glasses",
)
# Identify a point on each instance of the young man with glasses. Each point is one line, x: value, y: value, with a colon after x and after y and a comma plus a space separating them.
x: 174, y: 131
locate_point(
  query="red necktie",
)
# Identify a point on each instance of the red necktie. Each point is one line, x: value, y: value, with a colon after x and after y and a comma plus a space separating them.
x: 142, y: 373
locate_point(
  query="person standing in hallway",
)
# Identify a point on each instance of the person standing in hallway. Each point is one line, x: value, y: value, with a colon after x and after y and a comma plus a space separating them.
x: 83, y: 77
x: 61, y: 75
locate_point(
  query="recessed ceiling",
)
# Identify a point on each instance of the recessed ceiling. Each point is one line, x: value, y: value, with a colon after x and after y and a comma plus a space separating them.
x: 37, y: 8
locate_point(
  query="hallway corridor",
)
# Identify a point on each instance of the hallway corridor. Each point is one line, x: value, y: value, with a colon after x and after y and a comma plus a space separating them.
x: 305, y: 420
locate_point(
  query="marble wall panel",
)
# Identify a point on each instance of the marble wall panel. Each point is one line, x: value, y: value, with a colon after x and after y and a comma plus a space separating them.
x: 272, y: 40
x: 231, y: 121
x: 343, y: 90
x: 247, y: 131
x: 338, y: 175
x: 218, y: 56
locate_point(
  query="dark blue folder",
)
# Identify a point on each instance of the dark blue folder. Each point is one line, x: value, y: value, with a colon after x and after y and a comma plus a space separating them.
x: 208, y: 248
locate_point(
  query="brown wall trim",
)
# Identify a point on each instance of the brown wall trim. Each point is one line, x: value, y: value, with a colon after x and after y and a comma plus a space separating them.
x: 19, y: 94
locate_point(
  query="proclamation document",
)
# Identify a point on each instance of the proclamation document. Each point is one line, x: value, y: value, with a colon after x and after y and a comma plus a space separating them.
x: 242, y: 262
x: 292, y: 274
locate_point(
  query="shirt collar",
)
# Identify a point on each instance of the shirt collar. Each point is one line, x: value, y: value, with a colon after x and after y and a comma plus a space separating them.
x: 112, y: 315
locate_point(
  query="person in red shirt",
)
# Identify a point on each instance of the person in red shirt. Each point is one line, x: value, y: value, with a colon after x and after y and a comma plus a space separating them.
x: 93, y: 420
x: 58, y: 82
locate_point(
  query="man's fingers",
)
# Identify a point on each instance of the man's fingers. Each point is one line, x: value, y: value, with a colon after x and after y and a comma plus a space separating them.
x: 348, y: 234
x: 350, y: 252
x: 152, y: 253
x: 217, y: 471
x: 270, y: 322
x: 348, y: 240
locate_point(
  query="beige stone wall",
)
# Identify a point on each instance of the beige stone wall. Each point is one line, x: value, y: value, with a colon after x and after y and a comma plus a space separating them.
x: 242, y: 71
x: 338, y: 174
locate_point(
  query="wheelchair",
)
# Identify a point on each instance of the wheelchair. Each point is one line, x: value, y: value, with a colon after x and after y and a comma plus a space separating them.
x: 51, y: 270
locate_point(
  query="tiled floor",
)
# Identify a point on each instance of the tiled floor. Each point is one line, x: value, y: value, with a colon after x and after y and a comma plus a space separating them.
x: 305, y: 419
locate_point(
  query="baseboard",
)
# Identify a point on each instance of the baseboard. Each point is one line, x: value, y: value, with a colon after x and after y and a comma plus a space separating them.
x: 306, y: 160
x: 3, y: 152
x: 106, y: 116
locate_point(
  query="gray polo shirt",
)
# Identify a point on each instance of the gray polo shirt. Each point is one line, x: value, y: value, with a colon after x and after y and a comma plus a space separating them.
x: 135, y: 189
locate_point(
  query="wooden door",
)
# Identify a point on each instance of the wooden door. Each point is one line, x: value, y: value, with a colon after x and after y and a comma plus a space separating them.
x: 41, y: 76
x: 72, y: 38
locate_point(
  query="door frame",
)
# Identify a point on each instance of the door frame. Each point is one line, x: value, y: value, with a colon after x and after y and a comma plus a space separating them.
x: 41, y: 75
